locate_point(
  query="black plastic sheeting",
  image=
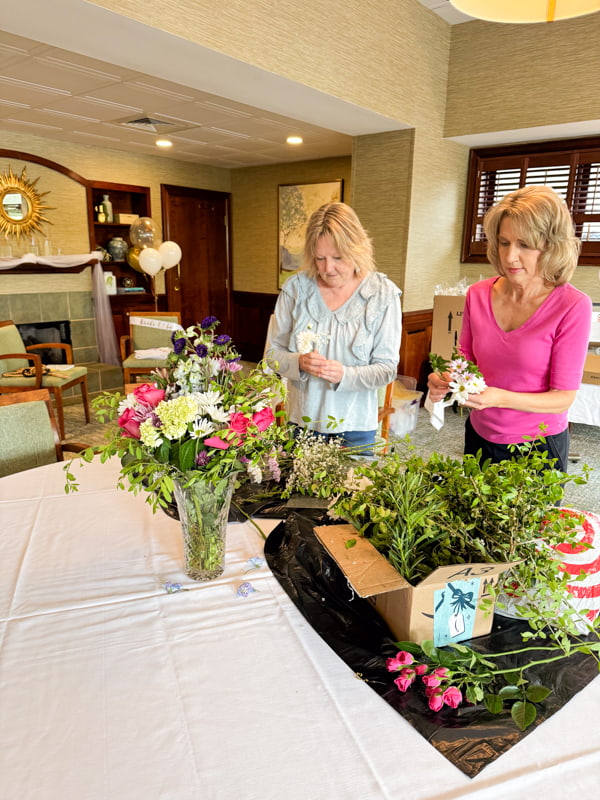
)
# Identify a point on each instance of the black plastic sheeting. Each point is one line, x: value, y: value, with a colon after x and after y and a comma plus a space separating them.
x: 469, y: 736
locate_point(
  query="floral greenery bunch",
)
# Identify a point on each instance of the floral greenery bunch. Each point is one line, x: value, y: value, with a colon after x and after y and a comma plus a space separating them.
x: 202, y: 418
x: 465, y: 376
x: 320, y: 467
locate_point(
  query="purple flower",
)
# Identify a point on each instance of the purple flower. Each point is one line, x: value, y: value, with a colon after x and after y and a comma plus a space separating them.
x: 223, y: 338
x: 201, y: 350
x: 208, y: 322
x: 203, y: 458
x: 178, y: 344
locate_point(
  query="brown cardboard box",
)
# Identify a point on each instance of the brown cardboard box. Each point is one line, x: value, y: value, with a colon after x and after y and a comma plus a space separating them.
x: 447, y: 322
x: 591, y: 369
x: 442, y: 607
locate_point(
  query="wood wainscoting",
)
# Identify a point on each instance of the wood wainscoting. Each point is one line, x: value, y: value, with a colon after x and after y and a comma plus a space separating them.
x: 251, y: 312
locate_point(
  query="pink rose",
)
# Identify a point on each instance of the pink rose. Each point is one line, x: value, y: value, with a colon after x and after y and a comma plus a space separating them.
x: 263, y: 419
x: 405, y: 679
x: 239, y: 423
x: 421, y: 669
x: 401, y: 659
x: 149, y: 394
x: 452, y: 697
x: 214, y: 441
x: 436, y: 701
x: 130, y: 423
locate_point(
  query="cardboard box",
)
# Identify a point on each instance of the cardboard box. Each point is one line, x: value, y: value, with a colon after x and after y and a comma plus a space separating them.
x: 447, y: 322
x: 591, y: 369
x: 442, y: 607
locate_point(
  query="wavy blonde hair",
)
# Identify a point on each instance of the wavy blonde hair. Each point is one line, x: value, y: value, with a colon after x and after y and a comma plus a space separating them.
x: 340, y: 222
x: 543, y: 221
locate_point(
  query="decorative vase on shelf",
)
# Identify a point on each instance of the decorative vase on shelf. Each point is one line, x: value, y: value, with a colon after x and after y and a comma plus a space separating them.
x: 107, y: 208
x: 203, y: 512
x: 117, y: 247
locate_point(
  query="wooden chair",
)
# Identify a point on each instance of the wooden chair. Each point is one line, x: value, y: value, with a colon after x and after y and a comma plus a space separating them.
x: 30, y: 435
x: 14, y: 356
x: 145, y: 337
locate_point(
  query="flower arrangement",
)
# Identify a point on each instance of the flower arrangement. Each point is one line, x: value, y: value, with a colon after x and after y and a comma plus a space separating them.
x: 465, y: 376
x: 201, y: 419
x: 425, y: 513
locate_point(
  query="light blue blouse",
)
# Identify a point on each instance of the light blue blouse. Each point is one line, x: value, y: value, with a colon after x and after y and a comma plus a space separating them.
x: 363, y: 334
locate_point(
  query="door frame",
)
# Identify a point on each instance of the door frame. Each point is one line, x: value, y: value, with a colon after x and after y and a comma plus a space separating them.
x: 172, y: 287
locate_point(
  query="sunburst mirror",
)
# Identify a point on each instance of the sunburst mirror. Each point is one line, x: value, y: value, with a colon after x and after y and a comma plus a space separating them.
x: 21, y: 205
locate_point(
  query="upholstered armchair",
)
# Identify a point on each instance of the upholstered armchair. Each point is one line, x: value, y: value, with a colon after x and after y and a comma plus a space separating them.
x: 30, y: 436
x: 146, y: 336
x: 14, y: 356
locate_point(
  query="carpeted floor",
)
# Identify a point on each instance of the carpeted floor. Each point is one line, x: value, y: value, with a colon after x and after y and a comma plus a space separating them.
x: 585, y: 441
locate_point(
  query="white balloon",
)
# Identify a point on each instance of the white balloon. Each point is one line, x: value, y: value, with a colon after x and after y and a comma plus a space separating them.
x: 150, y: 261
x: 170, y: 253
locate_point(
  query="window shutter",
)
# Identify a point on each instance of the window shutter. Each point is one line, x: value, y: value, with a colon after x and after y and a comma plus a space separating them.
x: 571, y: 169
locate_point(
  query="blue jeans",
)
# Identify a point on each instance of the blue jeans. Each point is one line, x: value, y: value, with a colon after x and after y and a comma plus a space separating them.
x: 363, y: 439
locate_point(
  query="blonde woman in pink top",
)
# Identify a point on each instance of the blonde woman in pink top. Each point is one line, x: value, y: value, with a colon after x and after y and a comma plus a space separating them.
x: 527, y: 329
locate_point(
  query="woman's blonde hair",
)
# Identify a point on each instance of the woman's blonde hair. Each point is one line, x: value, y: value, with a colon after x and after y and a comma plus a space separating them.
x: 543, y: 221
x: 340, y: 222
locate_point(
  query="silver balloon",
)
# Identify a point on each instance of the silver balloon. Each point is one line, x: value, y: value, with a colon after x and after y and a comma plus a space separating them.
x: 144, y: 233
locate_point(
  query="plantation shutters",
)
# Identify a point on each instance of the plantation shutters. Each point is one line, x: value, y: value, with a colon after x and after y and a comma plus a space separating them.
x: 571, y: 170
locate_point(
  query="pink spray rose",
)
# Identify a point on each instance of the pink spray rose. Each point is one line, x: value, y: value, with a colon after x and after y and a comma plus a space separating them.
x: 436, y: 677
x: 401, y: 659
x: 452, y: 697
x: 239, y: 423
x: 405, y: 679
x: 264, y: 418
x: 149, y: 394
x: 436, y: 698
x: 129, y: 421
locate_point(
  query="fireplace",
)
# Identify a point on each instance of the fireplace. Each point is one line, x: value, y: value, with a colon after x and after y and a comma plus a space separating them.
x: 40, y: 332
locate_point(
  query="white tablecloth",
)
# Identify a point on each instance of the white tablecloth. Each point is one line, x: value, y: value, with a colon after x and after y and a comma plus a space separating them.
x: 586, y: 406
x: 113, y: 689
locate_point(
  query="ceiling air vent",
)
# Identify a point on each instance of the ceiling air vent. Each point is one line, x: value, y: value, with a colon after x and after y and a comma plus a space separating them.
x: 148, y: 124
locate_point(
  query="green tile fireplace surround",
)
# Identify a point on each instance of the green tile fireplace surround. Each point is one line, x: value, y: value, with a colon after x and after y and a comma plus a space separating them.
x: 78, y: 308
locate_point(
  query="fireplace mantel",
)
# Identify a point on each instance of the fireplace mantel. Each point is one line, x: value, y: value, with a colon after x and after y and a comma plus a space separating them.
x: 30, y: 263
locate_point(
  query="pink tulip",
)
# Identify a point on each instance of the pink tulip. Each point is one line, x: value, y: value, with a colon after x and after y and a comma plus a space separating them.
x: 148, y: 394
x: 401, y: 659
x: 130, y: 423
x: 264, y: 418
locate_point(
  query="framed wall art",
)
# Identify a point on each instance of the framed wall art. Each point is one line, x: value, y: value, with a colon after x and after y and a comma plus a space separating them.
x: 297, y: 201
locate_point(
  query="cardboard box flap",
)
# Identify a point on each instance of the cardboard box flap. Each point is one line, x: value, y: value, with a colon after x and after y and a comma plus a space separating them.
x: 443, y: 575
x: 368, y: 572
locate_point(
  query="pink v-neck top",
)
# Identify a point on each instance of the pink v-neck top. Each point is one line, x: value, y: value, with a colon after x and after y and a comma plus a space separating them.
x: 546, y: 352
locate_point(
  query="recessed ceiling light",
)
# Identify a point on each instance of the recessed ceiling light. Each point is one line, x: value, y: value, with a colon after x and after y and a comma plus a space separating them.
x: 294, y: 140
x: 164, y: 142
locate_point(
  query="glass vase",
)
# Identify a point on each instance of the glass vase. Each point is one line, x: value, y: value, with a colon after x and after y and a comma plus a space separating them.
x: 203, y: 511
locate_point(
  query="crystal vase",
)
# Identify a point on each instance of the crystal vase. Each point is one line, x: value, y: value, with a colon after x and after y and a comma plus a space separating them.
x: 203, y: 511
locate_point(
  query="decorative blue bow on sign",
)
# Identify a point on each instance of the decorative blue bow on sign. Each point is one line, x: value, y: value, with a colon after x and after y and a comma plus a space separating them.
x: 460, y: 600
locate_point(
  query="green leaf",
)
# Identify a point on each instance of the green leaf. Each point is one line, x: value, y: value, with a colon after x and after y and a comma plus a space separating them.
x: 537, y: 693
x: 523, y: 714
x: 350, y: 543
x: 510, y: 692
x: 493, y: 703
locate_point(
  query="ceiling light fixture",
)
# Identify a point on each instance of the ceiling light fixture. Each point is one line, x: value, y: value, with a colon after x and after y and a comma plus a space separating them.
x: 517, y: 11
x: 163, y: 142
x: 294, y: 140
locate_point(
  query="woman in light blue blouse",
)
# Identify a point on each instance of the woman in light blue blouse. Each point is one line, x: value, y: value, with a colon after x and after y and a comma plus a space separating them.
x: 336, y: 333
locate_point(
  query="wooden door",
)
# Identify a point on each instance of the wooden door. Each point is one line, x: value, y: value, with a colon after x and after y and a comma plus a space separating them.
x: 198, y: 220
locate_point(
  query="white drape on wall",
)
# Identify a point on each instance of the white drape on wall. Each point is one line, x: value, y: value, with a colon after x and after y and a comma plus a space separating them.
x: 106, y: 337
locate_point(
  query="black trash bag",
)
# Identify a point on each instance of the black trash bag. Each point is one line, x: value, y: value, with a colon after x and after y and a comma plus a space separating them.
x: 469, y: 736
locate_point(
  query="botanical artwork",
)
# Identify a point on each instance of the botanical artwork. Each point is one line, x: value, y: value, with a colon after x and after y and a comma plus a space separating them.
x: 296, y: 203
